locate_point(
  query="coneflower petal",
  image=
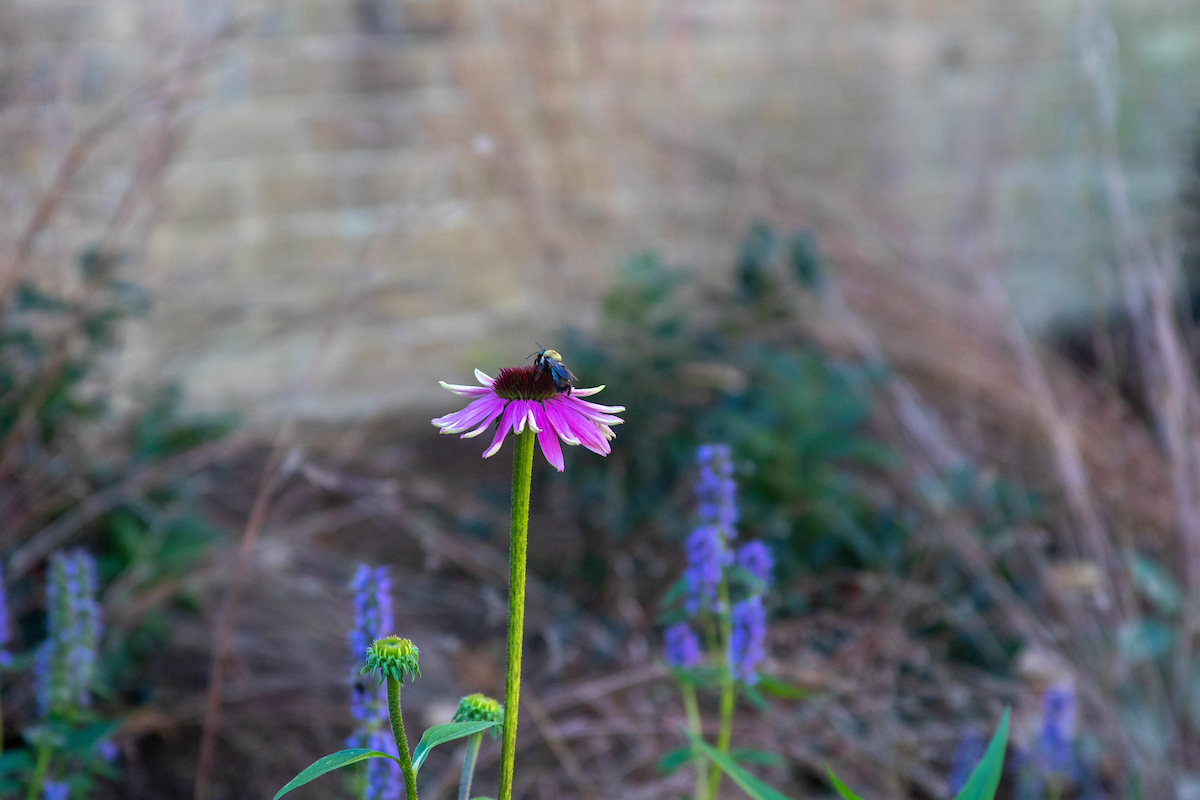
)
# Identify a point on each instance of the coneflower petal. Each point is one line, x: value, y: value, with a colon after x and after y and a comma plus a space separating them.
x: 507, y: 420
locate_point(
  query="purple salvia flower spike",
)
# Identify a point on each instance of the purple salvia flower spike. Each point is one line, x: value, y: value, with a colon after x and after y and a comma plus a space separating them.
x: 383, y: 778
x: 66, y: 662
x: 56, y: 790
x: 1056, y: 738
x: 706, y: 561
x: 368, y: 699
x: 746, y: 640
x: 682, y: 646
x: 755, y: 558
x: 716, y: 491
x: 5, y: 627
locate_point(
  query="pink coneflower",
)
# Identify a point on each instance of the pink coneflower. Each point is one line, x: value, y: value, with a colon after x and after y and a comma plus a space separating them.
x: 522, y: 396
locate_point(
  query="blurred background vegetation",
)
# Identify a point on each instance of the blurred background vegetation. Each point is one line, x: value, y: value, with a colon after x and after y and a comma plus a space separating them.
x: 931, y: 270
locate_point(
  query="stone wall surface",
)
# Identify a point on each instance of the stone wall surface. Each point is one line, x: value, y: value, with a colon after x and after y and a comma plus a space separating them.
x: 362, y: 196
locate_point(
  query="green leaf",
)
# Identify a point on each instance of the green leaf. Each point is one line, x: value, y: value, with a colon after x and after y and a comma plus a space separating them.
x: 440, y: 734
x: 755, y: 697
x: 763, y: 758
x: 751, y: 785
x: 672, y: 761
x: 1157, y: 584
x: 1144, y: 641
x: 787, y: 691
x: 986, y: 777
x: 698, y: 676
x: 342, y: 758
x: 842, y: 789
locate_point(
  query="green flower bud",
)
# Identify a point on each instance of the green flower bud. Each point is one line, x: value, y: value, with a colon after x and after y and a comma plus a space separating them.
x: 394, y: 658
x: 479, y: 708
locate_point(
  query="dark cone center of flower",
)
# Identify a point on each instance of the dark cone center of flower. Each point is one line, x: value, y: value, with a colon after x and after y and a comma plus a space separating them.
x: 524, y: 383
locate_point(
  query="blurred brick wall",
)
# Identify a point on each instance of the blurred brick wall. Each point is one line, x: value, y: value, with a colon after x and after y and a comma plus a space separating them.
x: 414, y: 187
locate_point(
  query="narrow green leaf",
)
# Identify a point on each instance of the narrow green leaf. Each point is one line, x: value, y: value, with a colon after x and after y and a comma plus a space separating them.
x: 672, y: 761
x: 842, y: 789
x: 763, y: 758
x: 1157, y: 584
x: 783, y: 689
x: 985, y: 779
x: 751, y: 785
x: 342, y: 758
x: 755, y: 697
x: 440, y: 734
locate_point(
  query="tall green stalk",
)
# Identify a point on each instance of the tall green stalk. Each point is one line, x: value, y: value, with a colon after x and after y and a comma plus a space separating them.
x: 468, y: 770
x: 691, y: 707
x: 410, y: 777
x: 518, y: 537
x: 728, y: 696
x: 39, y: 773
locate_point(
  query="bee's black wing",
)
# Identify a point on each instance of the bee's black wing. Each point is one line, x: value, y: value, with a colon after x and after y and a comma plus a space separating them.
x: 559, y: 371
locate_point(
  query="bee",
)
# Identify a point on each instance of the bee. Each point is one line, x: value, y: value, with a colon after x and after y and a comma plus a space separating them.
x: 551, y: 363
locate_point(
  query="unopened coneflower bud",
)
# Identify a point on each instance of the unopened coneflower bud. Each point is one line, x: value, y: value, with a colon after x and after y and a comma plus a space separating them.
x: 479, y: 708
x: 394, y: 658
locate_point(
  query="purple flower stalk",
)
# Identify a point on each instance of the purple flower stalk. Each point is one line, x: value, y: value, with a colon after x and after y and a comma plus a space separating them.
x: 716, y: 491
x: 368, y: 699
x: 746, y: 640
x: 1056, y: 738
x: 5, y: 628
x: 526, y: 396
x: 706, y: 561
x: 682, y: 646
x: 755, y: 558
x: 383, y: 779
x: 66, y: 661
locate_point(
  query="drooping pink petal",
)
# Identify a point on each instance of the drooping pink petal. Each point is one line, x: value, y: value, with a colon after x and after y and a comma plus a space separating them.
x: 568, y: 420
x: 507, y: 420
x: 484, y: 378
x: 523, y: 415
x: 594, y: 409
x: 466, y: 391
x: 494, y: 411
x: 576, y: 392
x: 469, y: 417
x: 557, y: 417
x: 547, y: 437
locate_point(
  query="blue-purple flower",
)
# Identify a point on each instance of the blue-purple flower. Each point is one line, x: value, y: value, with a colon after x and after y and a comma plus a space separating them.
x: 755, y: 558
x: 716, y: 491
x: 707, y: 558
x: 383, y: 778
x: 55, y: 790
x: 5, y: 628
x: 749, y: 631
x: 66, y: 661
x: 1056, y: 737
x: 368, y: 699
x: 682, y: 646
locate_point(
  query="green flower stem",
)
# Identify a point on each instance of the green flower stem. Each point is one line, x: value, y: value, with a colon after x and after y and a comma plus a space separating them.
x: 39, y: 773
x: 464, y: 784
x: 728, y: 696
x: 691, y: 707
x: 518, y: 536
x: 410, y: 777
